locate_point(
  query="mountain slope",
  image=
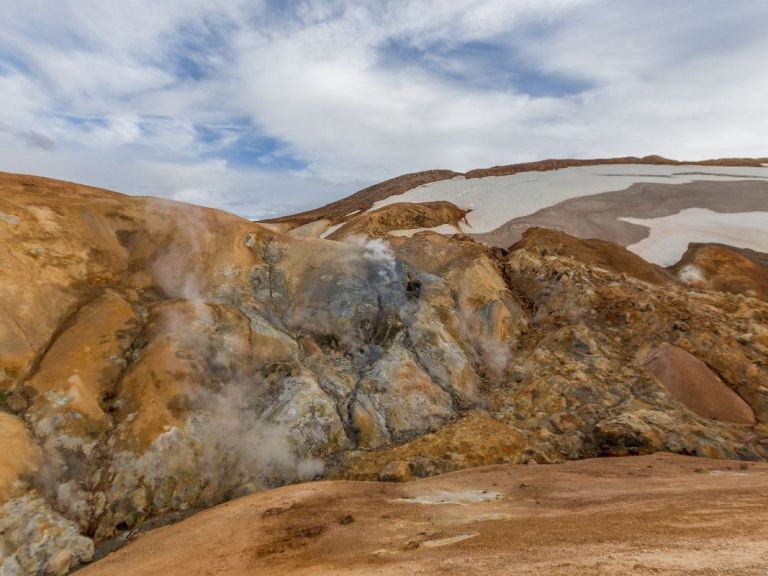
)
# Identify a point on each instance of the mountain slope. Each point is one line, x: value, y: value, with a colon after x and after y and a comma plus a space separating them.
x: 158, y: 358
x: 651, y: 205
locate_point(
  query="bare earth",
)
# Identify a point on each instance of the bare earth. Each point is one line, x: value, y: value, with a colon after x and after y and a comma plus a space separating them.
x: 658, y: 514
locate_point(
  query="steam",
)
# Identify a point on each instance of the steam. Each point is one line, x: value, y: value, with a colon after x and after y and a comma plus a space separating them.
x: 495, y: 355
x: 240, y: 446
x: 176, y: 275
x: 236, y: 444
x: 377, y: 252
x: 177, y: 270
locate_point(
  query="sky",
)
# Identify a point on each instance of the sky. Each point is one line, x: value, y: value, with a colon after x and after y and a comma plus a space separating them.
x: 268, y: 107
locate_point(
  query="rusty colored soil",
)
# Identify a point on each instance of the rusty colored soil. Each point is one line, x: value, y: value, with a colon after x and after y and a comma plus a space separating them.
x: 658, y: 514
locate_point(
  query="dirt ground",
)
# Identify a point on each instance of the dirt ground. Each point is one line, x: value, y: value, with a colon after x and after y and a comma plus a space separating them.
x: 659, y: 514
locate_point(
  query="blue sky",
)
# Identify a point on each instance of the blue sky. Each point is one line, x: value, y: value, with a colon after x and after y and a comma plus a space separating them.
x: 265, y: 107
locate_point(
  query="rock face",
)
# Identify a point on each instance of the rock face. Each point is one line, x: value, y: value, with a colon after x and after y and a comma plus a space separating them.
x: 157, y: 358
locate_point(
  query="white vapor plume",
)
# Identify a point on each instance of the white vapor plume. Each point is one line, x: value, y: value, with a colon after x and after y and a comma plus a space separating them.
x: 239, y: 444
x: 377, y: 251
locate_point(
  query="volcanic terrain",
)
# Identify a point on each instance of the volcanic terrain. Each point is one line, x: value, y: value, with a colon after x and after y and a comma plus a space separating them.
x: 158, y: 358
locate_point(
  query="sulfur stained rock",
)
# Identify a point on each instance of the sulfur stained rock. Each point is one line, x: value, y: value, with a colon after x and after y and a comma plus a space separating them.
x: 724, y: 268
x: 446, y: 362
x: 308, y: 418
x: 596, y: 252
x: 401, y: 216
x: 38, y: 540
x: 83, y: 362
x: 404, y: 396
x: 473, y: 440
x: 627, y: 434
x: 566, y: 423
x: 491, y: 313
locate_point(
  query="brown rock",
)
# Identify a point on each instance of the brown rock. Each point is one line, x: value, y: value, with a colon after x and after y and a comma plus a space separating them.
x: 594, y: 252
x: 395, y: 471
x: 399, y: 216
x: 694, y: 384
x: 724, y: 268
x: 473, y: 440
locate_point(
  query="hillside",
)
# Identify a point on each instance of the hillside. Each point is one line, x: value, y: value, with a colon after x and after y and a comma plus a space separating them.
x: 158, y: 358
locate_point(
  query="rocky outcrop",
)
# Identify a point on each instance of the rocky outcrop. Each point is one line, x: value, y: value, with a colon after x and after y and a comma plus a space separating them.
x: 724, y: 268
x: 595, y: 252
x: 400, y: 216
x: 694, y: 384
x: 38, y: 540
x: 160, y: 358
x: 476, y: 439
x: 581, y: 371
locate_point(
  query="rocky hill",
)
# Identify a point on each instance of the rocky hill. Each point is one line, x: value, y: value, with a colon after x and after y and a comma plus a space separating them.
x: 158, y: 358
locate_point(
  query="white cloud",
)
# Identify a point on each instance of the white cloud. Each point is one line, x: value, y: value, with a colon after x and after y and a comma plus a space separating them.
x: 115, y: 94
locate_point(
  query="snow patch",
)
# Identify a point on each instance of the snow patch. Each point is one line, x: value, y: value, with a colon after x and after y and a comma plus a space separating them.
x: 438, y: 542
x: 670, y: 235
x: 331, y: 229
x: 450, y: 497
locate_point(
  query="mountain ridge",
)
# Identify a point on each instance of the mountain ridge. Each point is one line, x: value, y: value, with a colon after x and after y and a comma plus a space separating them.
x: 362, y: 200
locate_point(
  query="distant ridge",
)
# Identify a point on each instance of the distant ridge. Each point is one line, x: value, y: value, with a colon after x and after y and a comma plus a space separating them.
x: 364, y: 199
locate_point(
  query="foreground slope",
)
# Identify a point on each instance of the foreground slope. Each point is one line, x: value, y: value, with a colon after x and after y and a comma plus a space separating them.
x: 659, y: 514
x: 158, y: 358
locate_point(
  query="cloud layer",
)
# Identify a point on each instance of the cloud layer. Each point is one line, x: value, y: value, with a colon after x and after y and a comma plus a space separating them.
x: 263, y: 107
